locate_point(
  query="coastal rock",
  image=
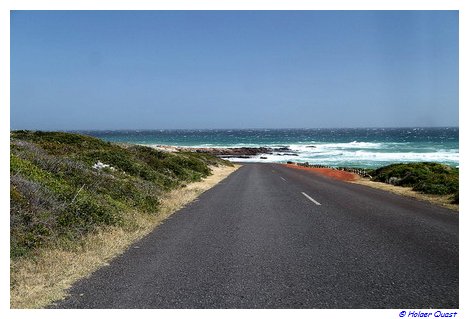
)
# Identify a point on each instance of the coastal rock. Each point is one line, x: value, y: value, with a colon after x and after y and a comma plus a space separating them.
x: 236, y: 156
x: 229, y: 152
x: 99, y: 166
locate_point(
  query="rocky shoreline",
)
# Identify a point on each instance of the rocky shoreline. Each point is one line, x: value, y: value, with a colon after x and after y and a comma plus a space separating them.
x: 233, y: 152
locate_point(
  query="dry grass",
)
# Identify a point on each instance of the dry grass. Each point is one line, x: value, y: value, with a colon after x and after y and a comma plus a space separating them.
x: 441, y: 200
x: 36, y: 283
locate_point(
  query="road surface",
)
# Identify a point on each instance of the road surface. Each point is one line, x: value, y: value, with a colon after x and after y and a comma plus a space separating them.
x: 269, y: 236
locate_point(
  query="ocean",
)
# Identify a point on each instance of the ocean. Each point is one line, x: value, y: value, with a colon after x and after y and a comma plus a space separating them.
x: 358, y: 147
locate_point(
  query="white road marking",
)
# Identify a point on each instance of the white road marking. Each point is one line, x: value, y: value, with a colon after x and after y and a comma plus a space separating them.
x: 283, y: 179
x: 311, y: 199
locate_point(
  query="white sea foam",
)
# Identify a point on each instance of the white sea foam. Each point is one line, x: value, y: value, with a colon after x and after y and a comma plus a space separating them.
x: 311, y: 147
x: 358, y: 154
x: 355, y: 153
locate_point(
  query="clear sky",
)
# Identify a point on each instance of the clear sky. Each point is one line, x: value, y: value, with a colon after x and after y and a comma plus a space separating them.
x: 233, y: 69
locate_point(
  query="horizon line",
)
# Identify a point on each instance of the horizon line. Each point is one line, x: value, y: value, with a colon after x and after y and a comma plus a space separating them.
x: 238, y: 129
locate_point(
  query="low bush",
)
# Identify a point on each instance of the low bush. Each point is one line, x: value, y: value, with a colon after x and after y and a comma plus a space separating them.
x: 56, y: 196
x: 425, y: 177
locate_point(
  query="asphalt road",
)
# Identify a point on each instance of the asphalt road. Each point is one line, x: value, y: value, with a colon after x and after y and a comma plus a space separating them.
x: 273, y: 237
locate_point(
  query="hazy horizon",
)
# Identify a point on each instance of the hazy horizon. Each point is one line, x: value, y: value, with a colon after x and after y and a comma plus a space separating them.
x: 237, y: 128
x: 154, y: 70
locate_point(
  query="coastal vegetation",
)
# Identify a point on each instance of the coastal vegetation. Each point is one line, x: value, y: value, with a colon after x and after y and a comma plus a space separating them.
x: 424, y: 177
x: 69, y: 191
x: 57, y: 196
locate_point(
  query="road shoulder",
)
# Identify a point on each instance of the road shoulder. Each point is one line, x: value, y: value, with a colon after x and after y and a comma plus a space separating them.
x: 443, y: 201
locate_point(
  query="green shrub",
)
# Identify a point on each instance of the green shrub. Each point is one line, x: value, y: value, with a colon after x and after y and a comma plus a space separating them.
x: 87, y: 212
x: 56, y: 196
x: 428, y: 178
x: 60, y: 143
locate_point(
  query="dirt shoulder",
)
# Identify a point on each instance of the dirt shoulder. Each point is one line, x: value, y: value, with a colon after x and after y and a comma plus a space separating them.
x: 336, y: 174
x: 441, y: 200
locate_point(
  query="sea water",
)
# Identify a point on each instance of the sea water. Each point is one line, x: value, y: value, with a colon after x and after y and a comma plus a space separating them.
x: 358, y: 147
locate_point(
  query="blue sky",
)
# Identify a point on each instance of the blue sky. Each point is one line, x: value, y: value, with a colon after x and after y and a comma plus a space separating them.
x: 233, y: 69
